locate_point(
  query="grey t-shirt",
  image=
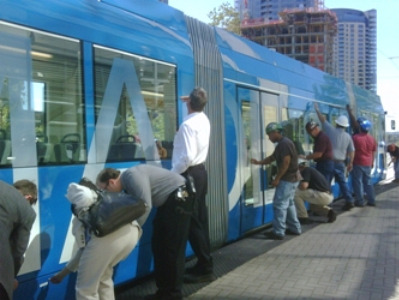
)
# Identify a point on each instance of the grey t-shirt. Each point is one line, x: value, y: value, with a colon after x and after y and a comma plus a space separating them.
x: 151, y: 184
x: 341, y: 141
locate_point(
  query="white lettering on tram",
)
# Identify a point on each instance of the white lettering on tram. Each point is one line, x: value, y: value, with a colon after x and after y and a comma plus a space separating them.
x: 122, y: 74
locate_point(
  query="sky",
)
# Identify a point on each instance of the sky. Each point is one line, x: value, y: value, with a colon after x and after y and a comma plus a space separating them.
x: 387, y: 38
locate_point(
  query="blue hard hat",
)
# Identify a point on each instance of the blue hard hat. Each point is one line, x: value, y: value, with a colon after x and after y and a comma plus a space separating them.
x: 361, y: 119
x: 365, y: 124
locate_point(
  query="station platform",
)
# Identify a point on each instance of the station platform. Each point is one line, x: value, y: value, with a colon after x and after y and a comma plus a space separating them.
x: 356, y: 257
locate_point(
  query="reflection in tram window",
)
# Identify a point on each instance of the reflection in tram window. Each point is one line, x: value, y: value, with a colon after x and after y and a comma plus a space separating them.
x: 41, y: 77
x: 135, y: 105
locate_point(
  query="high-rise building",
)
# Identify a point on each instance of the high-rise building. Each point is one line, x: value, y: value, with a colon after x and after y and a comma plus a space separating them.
x: 269, y: 10
x: 355, y: 55
x: 306, y: 35
x: 341, y: 42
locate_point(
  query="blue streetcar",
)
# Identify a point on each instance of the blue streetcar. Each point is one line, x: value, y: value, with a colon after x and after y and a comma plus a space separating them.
x: 94, y: 83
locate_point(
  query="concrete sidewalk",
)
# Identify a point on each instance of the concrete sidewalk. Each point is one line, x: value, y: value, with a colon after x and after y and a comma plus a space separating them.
x: 354, y: 258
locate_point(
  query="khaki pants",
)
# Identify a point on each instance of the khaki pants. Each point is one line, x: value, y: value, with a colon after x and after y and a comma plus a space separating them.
x: 318, y: 202
x: 98, y: 259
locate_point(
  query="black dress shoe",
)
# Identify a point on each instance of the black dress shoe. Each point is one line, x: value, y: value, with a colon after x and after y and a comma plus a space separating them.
x: 156, y: 296
x: 194, y: 269
x: 198, y: 278
x: 163, y: 296
x: 272, y: 236
x: 200, y: 268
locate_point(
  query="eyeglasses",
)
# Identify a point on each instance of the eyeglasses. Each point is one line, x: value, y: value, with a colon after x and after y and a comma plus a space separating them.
x: 104, y: 188
x: 32, y: 200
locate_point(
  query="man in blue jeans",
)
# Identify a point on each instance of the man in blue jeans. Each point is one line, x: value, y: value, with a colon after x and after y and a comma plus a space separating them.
x: 343, y: 152
x: 322, y: 151
x: 365, y: 146
x: 285, y: 219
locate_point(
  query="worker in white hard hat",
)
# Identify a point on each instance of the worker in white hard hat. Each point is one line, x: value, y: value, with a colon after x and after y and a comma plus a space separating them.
x: 342, y: 121
x: 343, y: 152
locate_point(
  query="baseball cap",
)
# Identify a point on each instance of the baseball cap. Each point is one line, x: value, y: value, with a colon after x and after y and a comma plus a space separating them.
x: 273, y: 126
x: 311, y: 125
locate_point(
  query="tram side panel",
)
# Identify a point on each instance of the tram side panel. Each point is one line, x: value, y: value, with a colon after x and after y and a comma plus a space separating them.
x: 52, y: 242
x: 232, y: 161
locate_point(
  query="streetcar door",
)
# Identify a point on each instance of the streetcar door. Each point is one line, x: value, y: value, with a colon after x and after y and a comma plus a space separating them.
x: 251, y: 201
x: 257, y: 110
x: 269, y: 112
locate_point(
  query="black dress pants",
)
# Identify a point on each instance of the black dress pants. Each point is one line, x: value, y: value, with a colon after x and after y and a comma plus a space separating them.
x: 199, y: 227
x: 3, y: 293
x: 169, y: 240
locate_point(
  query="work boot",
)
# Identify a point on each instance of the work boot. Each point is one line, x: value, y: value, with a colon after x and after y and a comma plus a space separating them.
x: 348, y: 206
x: 332, y: 216
x: 305, y: 221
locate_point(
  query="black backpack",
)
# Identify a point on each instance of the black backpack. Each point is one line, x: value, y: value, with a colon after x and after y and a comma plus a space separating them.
x: 110, y: 212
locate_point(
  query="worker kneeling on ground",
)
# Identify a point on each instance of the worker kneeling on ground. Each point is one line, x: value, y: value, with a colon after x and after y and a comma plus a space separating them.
x: 314, y: 189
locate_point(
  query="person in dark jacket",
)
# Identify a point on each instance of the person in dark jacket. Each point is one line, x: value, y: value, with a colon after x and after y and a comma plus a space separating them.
x: 16, y: 220
x: 315, y: 189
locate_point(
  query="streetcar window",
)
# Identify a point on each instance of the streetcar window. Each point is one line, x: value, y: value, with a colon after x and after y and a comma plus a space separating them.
x: 334, y: 114
x: 250, y: 196
x: 135, y: 101
x: 40, y: 98
x: 294, y: 128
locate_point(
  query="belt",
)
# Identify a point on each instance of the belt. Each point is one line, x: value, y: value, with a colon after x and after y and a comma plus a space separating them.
x: 196, y: 166
x: 339, y: 161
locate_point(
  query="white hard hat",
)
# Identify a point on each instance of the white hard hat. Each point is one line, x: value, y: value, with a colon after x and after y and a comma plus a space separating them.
x: 342, y: 121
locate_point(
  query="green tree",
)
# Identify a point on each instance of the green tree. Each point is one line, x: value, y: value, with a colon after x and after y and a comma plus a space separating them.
x: 225, y: 16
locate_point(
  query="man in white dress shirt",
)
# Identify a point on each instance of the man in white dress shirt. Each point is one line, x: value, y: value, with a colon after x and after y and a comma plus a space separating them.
x: 190, y: 150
